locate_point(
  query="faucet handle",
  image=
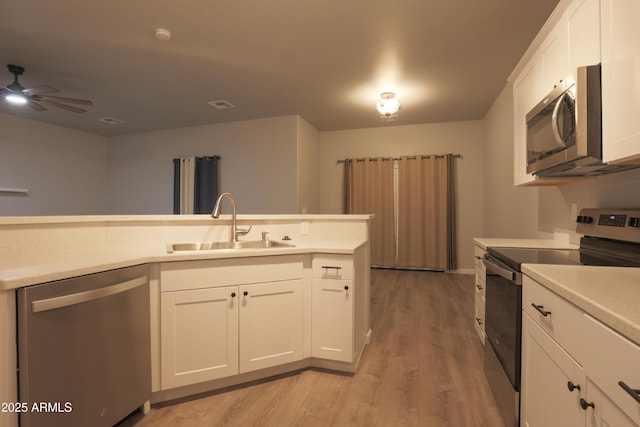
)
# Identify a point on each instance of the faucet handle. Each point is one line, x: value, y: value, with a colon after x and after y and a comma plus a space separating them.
x: 242, y: 231
x: 264, y: 235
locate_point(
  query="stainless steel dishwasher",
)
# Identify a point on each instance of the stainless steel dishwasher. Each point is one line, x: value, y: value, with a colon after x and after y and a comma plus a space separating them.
x: 84, y: 349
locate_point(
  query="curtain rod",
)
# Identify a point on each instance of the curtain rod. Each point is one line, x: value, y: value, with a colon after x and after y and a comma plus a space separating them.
x: 424, y: 156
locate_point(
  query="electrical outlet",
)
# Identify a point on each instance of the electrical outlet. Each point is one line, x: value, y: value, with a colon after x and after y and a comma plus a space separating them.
x: 304, y: 228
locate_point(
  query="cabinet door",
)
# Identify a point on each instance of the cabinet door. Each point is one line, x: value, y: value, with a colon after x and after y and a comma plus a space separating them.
x: 199, y: 335
x: 583, y: 17
x: 553, y: 57
x: 605, y: 413
x: 620, y: 80
x: 332, y: 319
x: 547, y: 369
x: 271, y: 324
x: 525, y: 97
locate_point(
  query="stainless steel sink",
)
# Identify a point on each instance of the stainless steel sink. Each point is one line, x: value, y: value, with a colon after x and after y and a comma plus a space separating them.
x: 211, y: 246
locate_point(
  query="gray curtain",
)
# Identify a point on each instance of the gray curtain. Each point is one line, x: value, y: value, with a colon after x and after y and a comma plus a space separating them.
x: 195, y: 184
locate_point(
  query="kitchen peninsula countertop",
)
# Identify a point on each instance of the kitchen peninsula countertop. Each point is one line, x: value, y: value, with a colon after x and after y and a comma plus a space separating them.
x: 26, y: 271
x: 609, y: 294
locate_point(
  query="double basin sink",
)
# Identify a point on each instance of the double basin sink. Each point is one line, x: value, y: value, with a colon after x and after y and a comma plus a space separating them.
x: 211, y: 246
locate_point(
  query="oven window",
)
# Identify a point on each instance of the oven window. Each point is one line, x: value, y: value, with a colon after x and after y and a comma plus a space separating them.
x: 503, y: 323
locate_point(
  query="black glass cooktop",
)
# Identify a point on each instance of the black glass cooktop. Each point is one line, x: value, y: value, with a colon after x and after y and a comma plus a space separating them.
x: 515, y: 257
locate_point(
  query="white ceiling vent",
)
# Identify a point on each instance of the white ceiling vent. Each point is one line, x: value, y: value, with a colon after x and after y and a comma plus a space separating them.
x: 221, y: 105
x: 111, y: 121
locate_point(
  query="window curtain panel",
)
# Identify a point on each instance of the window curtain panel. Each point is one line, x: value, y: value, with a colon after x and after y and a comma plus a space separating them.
x: 426, y: 213
x: 195, y: 184
x: 368, y: 189
x: 414, y: 208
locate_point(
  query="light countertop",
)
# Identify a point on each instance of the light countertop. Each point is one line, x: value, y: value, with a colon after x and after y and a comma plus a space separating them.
x: 609, y: 294
x: 41, y: 269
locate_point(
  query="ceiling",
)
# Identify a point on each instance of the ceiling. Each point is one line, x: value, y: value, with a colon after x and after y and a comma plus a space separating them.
x: 325, y: 60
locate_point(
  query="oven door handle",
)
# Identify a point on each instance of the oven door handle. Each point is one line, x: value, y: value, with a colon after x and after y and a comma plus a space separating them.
x: 500, y: 269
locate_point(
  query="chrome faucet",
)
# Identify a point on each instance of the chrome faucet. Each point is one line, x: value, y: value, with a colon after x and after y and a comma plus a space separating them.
x: 235, y: 231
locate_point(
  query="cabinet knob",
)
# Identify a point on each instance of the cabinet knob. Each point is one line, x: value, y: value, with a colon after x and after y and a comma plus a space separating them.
x: 233, y: 294
x: 346, y: 287
x: 585, y: 405
x: 479, y: 287
x: 571, y: 386
x: 478, y: 321
x: 245, y: 293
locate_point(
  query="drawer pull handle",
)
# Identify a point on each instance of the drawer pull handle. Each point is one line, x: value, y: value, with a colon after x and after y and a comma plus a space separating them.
x: 540, y: 309
x: 571, y: 386
x: 335, y: 267
x: 585, y: 405
x: 635, y: 393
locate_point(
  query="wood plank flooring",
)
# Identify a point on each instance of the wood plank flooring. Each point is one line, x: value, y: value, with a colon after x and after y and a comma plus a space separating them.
x: 423, y: 367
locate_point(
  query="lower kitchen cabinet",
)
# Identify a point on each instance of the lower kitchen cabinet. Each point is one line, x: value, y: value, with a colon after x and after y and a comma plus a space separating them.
x: 480, y: 292
x: 199, y: 335
x: 573, y: 366
x: 271, y: 324
x: 547, y: 398
x: 332, y: 319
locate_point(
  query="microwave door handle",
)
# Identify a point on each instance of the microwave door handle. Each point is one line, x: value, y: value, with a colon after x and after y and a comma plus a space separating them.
x: 554, y: 122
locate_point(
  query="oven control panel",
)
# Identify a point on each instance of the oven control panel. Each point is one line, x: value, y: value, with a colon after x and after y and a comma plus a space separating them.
x: 619, y: 224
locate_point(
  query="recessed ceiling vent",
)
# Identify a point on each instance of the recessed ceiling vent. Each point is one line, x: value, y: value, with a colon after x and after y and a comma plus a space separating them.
x: 221, y: 105
x: 111, y: 121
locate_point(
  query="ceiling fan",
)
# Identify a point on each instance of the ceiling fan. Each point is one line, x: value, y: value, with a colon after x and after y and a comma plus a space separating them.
x: 36, y: 96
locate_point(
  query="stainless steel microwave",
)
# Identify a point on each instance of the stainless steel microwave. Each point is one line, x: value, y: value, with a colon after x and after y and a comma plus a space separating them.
x: 564, y: 131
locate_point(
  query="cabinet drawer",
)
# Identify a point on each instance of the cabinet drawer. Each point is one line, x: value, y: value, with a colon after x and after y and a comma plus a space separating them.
x: 563, y: 321
x: 614, y: 359
x: 184, y: 275
x: 327, y: 266
x: 478, y: 255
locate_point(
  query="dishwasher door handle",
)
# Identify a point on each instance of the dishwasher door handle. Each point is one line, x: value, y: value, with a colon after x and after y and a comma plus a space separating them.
x: 80, y: 297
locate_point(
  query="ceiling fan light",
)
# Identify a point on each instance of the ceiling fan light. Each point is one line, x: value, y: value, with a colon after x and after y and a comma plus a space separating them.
x: 388, y: 105
x: 16, y: 98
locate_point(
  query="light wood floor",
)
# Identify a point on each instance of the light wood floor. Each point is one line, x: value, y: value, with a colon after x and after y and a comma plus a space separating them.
x: 423, y: 367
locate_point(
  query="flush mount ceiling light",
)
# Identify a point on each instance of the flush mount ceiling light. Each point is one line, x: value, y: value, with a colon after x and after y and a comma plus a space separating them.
x: 162, y: 34
x: 388, y: 105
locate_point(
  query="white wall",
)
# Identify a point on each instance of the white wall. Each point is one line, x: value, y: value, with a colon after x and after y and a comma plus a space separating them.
x: 258, y: 165
x: 308, y: 168
x: 64, y: 170
x: 465, y: 138
x: 536, y: 211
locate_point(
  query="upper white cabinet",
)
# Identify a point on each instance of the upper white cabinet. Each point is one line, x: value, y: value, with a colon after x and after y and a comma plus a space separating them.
x: 580, y: 33
x: 620, y: 80
x: 583, y: 35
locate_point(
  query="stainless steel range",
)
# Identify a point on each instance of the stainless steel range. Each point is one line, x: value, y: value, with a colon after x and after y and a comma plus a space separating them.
x: 611, y: 237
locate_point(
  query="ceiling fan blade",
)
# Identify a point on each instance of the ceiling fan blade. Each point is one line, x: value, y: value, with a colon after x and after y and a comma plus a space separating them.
x: 70, y: 100
x: 35, y: 106
x: 36, y: 90
x: 63, y: 106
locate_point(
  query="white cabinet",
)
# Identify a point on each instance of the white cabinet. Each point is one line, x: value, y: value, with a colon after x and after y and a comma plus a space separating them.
x: 573, y: 366
x: 210, y: 331
x: 332, y: 318
x: 199, y: 335
x: 620, y: 81
x: 583, y: 23
x: 480, y: 292
x: 271, y: 324
x: 526, y: 95
x: 553, y: 57
x: 548, y: 373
